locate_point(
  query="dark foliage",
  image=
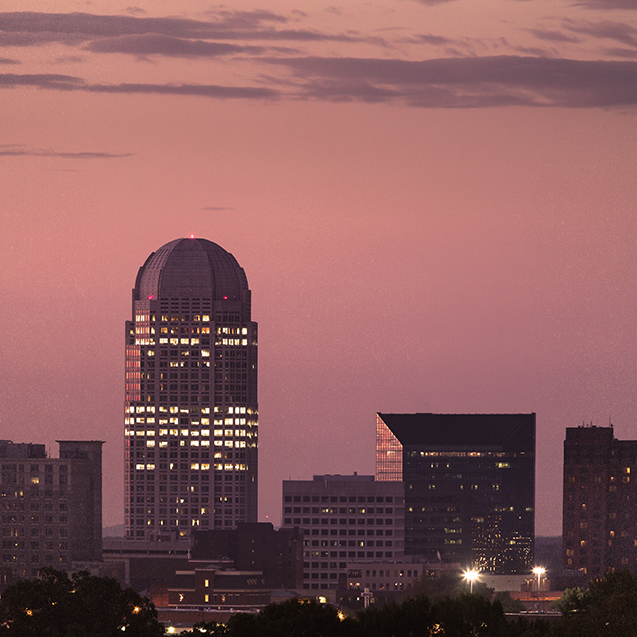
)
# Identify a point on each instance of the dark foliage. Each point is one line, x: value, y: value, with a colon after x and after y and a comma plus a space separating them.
x: 55, y: 605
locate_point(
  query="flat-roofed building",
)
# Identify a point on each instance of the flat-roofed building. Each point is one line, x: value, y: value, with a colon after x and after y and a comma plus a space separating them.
x: 51, y: 507
x: 469, y: 486
x: 343, y: 518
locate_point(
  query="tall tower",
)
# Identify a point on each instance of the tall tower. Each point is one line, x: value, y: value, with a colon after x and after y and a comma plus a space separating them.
x: 191, y: 394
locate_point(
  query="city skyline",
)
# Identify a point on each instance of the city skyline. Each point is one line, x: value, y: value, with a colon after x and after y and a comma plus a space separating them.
x: 434, y: 203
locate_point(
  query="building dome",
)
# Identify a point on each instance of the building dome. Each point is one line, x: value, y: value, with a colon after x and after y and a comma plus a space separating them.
x: 191, y: 268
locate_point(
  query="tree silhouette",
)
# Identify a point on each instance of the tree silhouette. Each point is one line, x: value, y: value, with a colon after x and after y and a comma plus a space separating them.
x: 55, y: 605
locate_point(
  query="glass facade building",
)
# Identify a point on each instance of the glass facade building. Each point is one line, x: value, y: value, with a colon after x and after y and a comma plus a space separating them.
x: 469, y: 486
x: 191, y: 394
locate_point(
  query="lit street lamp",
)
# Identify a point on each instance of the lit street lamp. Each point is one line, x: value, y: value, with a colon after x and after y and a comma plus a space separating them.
x: 471, y: 576
x: 539, y: 571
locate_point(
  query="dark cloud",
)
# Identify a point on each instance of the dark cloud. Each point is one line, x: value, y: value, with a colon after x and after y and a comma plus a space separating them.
x: 431, y: 39
x: 630, y: 54
x: 196, y: 90
x: 70, y: 83
x: 607, y: 4
x: 440, y: 83
x: 553, y: 36
x: 41, y: 80
x: 618, y: 31
x: 15, y: 150
x: 9, y: 61
x: 431, y: 3
x: 469, y: 82
x: 31, y: 28
x: 154, y: 44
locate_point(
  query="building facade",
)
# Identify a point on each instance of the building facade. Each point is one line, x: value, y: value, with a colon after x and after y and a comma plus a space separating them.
x: 191, y: 394
x: 51, y: 507
x: 254, y: 546
x: 343, y: 519
x: 600, y: 492
x: 469, y: 486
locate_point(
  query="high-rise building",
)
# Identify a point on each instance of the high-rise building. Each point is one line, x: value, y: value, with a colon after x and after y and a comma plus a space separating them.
x: 343, y: 519
x: 600, y: 492
x: 51, y: 507
x: 191, y: 394
x: 469, y: 486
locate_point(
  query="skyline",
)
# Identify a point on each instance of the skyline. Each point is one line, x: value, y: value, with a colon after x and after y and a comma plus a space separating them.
x: 433, y: 203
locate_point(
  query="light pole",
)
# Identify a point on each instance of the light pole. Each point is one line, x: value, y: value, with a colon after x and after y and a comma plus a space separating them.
x: 539, y: 571
x: 471, y: 576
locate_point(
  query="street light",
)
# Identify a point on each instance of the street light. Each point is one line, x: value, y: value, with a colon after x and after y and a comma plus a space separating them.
x: 471, y: 576
x: 539, y: 571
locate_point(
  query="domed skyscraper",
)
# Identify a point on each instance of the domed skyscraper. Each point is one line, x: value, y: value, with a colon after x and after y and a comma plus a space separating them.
x: 191, y: 394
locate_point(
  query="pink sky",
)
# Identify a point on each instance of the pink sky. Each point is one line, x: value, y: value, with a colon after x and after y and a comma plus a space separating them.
x: 434, y: 203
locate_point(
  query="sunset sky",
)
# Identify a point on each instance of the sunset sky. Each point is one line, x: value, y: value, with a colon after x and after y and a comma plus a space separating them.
x: 434, y: 203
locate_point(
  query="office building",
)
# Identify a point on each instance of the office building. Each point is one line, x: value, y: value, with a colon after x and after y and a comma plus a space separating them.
x: 469, y: 486
x: 51, y: 507
x: 600, y: 492
x: 343, y: 519
x: 191, y: 394
x: 253, y: 546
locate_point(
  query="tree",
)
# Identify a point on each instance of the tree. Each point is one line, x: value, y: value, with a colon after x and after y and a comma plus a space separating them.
x: 608, y: 608
x: 293, y: 618
x: 55, y: 605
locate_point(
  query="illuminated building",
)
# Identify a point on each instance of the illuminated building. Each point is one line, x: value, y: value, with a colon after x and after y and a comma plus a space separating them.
x: 51, y: 507
x: 600, y: 491
x: 191, y: 394
x: 469, y: 486
x: 343, y: 519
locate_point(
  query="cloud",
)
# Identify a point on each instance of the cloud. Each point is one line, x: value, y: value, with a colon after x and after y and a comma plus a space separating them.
x: 553, y: 36
x: 154, y: 44
x: 9, y: 61
x: 468, y: 82
x: 439, y: 83
x: 618, y: 31
x: 217, y: 208
x: 70, y: 83
x: 607, y: 4
x: 15, y: 150
x: 32, y: 29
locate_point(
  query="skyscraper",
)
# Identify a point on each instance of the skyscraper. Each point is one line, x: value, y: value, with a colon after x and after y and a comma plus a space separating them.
x: 191, y: 394
x: 469, y: 485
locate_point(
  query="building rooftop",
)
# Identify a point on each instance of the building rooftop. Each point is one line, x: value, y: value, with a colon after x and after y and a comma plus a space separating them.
x: 459, y: 429
x: 191, y: 267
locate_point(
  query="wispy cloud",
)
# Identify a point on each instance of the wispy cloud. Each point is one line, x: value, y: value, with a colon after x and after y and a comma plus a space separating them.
x: 605, y: 29
x: 155, y: 44
x: 16, y: 150
x: 553, y: 36
x: 70, y: 83
x: 468, y: 82
x: 9, y: 61
x: 217, y: 208
x: 607, y: 4
x: 165, y: 36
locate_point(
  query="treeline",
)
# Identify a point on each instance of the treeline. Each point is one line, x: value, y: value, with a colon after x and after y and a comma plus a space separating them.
x: 56, y: 605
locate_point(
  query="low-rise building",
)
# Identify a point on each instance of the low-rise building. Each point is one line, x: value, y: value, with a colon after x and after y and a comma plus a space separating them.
x: 343, y: 518
x: 51, y: 507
